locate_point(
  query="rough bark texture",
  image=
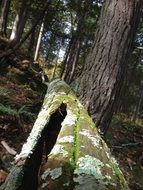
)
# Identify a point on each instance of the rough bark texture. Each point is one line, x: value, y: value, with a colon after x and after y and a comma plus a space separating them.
x: 103, y: 74
x: 79, y: 158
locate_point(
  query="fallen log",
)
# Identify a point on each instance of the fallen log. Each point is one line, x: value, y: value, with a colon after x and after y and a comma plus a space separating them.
x: 77, y: 157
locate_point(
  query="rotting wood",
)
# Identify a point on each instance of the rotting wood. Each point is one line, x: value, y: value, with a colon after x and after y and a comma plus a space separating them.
x: 79, y: 159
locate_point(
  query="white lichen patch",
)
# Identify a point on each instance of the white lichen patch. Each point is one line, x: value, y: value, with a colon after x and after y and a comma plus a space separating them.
x: 112, y: 159
x: 32, y: 140
x: 66, y: 139
x: 94, y: 139
x: 54, y: 174
x: 70, y: 119
x: 90, y: 166
x: 59, y: 149
x: 108, y: 165
x: 88, y: 174
x: 108, y: 177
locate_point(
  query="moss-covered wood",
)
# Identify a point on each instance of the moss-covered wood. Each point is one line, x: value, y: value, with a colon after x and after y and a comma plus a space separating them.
x: 79, y: 159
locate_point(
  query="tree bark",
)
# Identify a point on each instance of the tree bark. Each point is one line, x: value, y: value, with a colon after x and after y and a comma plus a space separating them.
x: 64, y: 62
x: 78, y: 158
x: 4, y: 16
x: 19, y: 22
x: 103, y: 73
x: 73, y: 58
x: 32, y: 41
x: 77, y: 39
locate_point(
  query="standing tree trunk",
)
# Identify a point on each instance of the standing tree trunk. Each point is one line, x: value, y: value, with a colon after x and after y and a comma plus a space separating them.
x: 32, y: 41
x: 64, y: 62
x: 138, y: 106
x: 4, y: 16
x: 73, y: 58
x: 77, y: 40
x: 39, y: 41
x: 103, y: 73
x: 19, y: 23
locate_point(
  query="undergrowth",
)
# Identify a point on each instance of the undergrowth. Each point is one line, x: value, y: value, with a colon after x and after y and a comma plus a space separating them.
x: 22, y: 113
x: 3, y: 91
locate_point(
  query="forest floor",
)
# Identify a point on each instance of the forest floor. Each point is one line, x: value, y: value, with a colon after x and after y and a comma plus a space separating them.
x: 19, y: 106
x: 125, y: 140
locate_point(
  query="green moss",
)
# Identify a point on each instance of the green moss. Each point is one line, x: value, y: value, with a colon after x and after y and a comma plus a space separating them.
x: 76, y: 149
x: 120, y: 176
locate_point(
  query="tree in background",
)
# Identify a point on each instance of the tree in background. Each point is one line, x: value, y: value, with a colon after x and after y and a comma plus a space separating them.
x: 19, y: 23
x: 4, y: 17
x: 83, y: 8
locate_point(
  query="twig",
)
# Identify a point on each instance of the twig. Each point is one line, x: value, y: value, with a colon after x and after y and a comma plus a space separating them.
x: 127, y: 145
x: 8, y: 148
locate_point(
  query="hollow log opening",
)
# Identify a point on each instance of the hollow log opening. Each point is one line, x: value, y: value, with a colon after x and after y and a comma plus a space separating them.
x: 44, y: 146
x: 54, y: 126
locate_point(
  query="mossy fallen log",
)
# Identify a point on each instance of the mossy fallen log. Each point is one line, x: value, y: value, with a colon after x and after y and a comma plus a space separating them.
x: 78, y: 158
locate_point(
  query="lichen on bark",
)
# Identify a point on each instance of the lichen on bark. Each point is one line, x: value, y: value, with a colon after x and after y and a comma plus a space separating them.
x: 79, y: 158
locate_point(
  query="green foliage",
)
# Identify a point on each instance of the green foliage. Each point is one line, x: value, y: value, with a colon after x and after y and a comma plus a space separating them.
x: 3, y: 91
x: 23, y: 113
x: 7, y: 110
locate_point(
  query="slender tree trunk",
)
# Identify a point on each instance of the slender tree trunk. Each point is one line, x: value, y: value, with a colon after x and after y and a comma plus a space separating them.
x: 55, y: 68
x: 4, y: 16
x: 138, y: 106
x: 32, y: 41
x: 74, y: 51
x: 73, y: 58
x: 39, y: 41
x: 103, y: 73
x: 77, y: 40
x: 64, y: 63
x: 19, y: 23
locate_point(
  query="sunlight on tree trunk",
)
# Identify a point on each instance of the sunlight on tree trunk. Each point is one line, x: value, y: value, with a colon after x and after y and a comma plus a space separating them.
x: 39, y: 41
